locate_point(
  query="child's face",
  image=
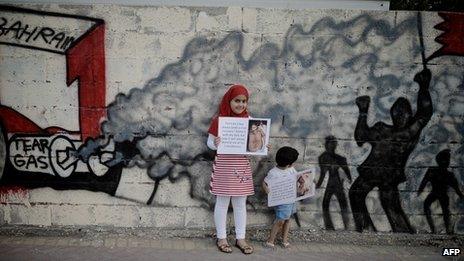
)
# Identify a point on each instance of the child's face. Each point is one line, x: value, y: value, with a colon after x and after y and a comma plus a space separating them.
x: 238, y: 104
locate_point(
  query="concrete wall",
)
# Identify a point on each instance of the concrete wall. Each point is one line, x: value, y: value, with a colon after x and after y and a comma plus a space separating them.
x: 292, y: 4
x: 105, y: 109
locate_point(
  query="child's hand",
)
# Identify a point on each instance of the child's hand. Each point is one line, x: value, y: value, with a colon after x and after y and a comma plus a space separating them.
x: 217, y: 140
x: 306, y: 173
x: 268, y: 146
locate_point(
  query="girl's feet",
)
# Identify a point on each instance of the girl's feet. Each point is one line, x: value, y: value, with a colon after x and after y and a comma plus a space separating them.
x: 243, y: 246
x: 286, y: 244
x: 223, y: 246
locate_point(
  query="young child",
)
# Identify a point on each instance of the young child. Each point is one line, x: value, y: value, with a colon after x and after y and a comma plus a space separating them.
x: 231, y: 179
x: 285, y: 157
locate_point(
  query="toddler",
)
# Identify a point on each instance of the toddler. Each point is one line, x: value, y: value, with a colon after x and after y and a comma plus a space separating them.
x: 285, y: 157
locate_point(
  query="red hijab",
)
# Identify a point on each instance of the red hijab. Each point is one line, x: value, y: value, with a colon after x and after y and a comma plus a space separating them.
x: 224, y: 108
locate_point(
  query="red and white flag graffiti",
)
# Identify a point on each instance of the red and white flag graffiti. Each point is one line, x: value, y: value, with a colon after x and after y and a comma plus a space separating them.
x: 452, y: 38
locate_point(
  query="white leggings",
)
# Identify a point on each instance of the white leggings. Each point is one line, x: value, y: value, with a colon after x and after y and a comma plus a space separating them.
x: 220, y: 215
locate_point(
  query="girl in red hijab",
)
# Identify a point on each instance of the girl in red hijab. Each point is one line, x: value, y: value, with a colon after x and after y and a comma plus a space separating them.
x: 231, y: 179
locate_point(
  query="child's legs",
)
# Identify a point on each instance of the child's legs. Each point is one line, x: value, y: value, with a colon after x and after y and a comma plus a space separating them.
x: 220, y: 215
x: 285, y: 230
x: 276, y: 228
x: 239, y: 205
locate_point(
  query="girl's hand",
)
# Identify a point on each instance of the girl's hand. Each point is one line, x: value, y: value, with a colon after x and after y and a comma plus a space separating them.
x: 268, y: 146
x: 217, y: 140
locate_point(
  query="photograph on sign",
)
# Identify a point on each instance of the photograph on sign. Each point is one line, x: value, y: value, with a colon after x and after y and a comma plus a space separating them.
x: 305, y: 186
x: 248, y: 136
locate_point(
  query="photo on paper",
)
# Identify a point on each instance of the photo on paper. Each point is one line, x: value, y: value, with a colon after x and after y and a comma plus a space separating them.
x: 305, y: 186
x: 246, y: 136
x: 257, y: 136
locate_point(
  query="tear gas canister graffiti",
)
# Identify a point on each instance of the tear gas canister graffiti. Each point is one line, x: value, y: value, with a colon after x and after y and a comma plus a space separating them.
x: 39, y: 155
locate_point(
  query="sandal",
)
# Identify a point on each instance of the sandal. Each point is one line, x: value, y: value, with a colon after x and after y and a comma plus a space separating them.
x: 224, y: 247
x: 269, y: 245
x: 246, y: 249
x: 286, y: 244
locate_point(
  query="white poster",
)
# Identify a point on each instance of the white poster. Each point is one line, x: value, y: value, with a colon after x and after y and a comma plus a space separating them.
x: 287, y: 190
x: 247, y: 136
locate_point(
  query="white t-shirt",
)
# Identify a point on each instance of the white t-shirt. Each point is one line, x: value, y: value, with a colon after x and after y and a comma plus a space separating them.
x: 276, y: 172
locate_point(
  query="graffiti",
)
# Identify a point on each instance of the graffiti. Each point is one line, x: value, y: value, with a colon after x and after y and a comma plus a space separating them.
x: 330, y: 162
x: 23, y: 158
x: 441, y: 179
x: 306, y: 80
x: 42, y: 156
x: 391, y: 147
x: 449, y: 39
x: 177, y: 102
x: 46, y: 34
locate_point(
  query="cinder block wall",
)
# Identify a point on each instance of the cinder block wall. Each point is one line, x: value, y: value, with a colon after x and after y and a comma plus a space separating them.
x: 105, y: 111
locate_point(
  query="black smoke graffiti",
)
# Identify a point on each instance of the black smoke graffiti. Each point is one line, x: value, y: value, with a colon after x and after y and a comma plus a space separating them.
x: 331, y: 162
x: 391, y: 147
x: 167, y: 106
x: 441, y: 179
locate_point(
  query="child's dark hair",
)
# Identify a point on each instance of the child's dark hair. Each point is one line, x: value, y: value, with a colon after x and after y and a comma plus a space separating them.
x: 286, y: 156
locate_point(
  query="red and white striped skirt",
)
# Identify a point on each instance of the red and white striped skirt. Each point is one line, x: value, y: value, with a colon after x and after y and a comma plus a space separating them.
x: 231, y: 176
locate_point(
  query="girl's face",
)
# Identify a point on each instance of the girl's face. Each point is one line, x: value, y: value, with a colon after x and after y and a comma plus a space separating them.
x: 238, y: 104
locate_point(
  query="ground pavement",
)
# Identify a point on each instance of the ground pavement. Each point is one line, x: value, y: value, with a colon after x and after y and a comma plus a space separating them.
x: 119, y: 247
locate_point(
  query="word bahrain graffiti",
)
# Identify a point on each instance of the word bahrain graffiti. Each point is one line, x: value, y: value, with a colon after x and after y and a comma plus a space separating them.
x: 324, y: 76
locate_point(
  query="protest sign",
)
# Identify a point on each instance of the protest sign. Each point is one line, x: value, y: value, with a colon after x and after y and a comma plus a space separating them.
x: 288, y: 189
x: 247, y: 136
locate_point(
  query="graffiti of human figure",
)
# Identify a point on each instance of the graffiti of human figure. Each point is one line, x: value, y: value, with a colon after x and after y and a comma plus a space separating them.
x: 391, y: 147
x: 440, y: 178
x: 331, y: 162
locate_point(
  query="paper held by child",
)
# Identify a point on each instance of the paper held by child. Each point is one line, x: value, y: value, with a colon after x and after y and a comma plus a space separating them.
x: 245, y: 136
x: 287, y: 190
